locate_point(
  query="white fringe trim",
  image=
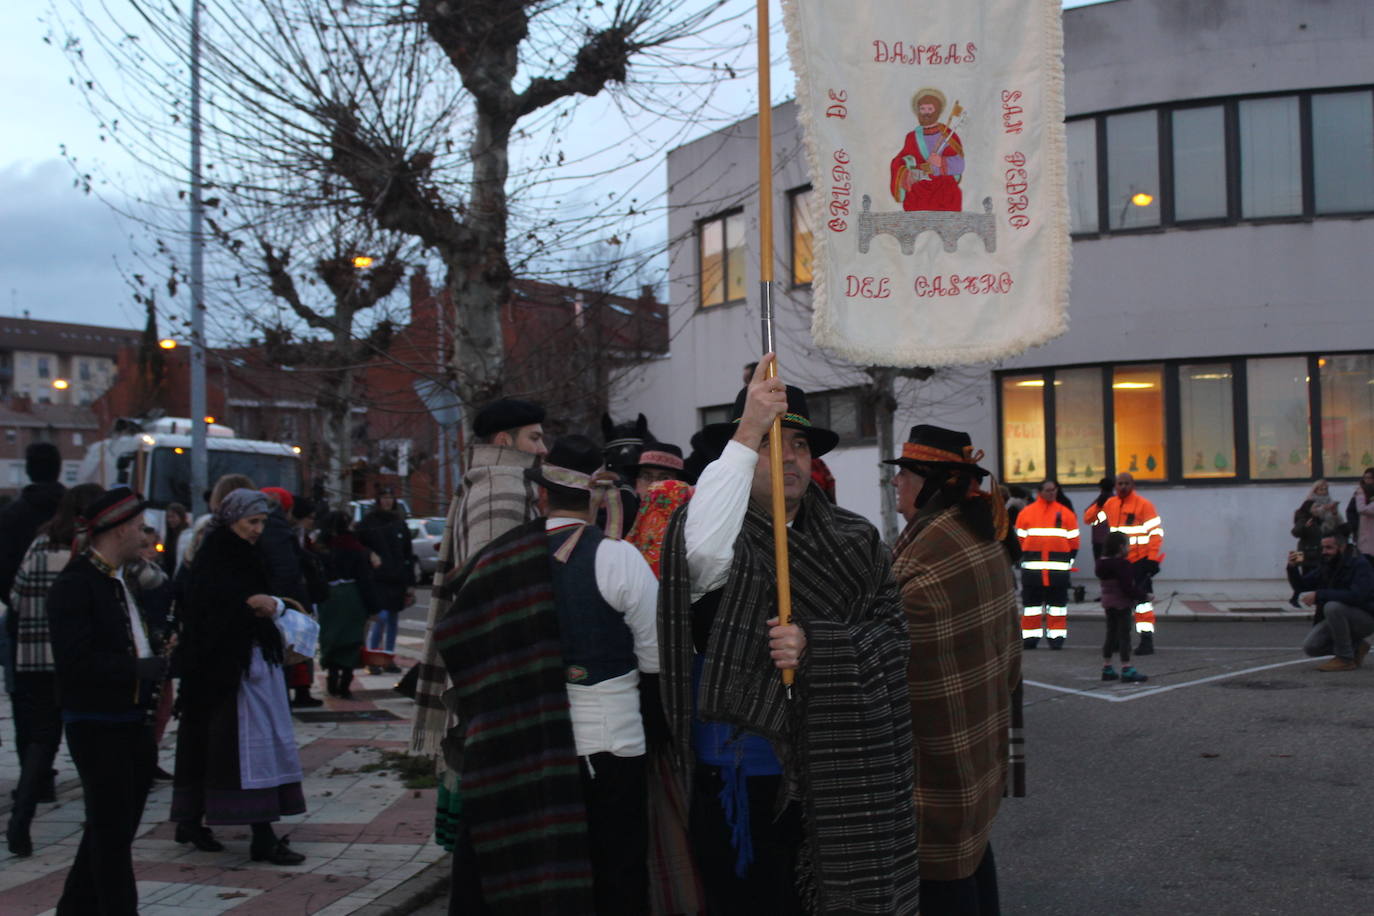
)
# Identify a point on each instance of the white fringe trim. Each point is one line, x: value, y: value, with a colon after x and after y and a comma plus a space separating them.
x: 1053, y: 152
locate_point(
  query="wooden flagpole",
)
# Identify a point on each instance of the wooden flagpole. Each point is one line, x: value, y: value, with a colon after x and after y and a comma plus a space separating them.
x: 766, y: 311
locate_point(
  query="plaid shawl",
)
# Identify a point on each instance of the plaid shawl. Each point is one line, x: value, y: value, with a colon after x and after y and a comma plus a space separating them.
x: 845, y: 738
x: 29, y: 603
x: 522, y: 792
x: 965, y: 663
x: 495, y: 498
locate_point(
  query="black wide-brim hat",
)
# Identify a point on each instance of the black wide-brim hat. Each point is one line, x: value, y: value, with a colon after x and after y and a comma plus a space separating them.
x: 797, y: 417
x: 576, y: 453
x: 935, y: 446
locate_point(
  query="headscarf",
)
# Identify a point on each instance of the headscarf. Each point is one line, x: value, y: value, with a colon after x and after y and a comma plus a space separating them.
x: 240, y: 503
x: 601, y: 484
x: 651, y: 523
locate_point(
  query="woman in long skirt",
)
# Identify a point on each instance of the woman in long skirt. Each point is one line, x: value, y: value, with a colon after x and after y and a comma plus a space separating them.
x: 352, y: 601
x: 236, y: 749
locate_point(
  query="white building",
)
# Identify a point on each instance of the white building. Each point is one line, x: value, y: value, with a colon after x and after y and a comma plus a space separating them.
x: 1221, y: 342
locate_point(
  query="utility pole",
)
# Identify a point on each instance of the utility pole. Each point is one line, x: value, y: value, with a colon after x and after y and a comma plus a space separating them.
x: 200, y: 458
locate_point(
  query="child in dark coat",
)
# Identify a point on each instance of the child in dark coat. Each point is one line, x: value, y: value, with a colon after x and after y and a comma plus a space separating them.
x: 1120, y: 595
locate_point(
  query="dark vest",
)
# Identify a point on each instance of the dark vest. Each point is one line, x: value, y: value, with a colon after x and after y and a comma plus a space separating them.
x: 597, y: 643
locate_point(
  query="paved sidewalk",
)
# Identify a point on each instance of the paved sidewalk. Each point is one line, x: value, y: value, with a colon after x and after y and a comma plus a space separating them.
x: 367, y: 839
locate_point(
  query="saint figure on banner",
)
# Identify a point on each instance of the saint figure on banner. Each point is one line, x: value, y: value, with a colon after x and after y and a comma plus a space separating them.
x: 926, y: 173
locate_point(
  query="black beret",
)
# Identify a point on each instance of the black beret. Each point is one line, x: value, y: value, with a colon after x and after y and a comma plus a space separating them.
x: 505, y: 414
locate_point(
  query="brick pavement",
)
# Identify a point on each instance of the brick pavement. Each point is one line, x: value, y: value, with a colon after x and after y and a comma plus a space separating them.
x: 364, y: 834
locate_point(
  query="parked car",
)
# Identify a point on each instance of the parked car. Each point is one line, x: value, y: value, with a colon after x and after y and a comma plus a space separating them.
x: 425, y: 536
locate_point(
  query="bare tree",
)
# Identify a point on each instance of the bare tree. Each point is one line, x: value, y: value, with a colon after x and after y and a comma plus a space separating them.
x: 442, y: 121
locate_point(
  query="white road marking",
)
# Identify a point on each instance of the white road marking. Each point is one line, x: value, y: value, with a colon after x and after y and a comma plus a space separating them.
x: 1138, y: 693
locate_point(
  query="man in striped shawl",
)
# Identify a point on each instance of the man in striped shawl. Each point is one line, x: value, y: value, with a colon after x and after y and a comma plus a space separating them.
x: 495, y: 498
x: 800, y: 804
x: 965, y: 667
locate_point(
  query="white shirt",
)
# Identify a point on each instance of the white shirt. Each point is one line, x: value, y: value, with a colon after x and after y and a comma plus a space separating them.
x: 142, y: 647
x: 715, y: 516
x: 605, y: 716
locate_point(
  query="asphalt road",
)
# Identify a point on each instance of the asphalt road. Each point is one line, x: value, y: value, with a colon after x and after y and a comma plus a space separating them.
x: 1212, y: 789
x: 1243, y: 794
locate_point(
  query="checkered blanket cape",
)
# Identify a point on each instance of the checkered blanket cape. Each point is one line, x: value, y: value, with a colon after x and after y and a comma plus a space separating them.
x: 960, y: 605
x: 845, y: 737
x: 521, y: 789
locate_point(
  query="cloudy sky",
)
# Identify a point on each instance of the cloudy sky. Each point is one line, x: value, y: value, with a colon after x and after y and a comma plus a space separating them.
x: 62, y: 253
x: 58, y: 247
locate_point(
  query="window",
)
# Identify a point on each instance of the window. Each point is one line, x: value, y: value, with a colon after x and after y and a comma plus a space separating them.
x: 84, y: 370
x: 1270, y: 157
x: 1080, y: 444
x: 1138, y: 411
x: 1343, y: 151
x: 1207, y: 422
x: 717, y: 414
x: 846, y: 412
x: 77, y: 439
x: 11, y: 435
x: 1347, y: 386
x: 1082, y: 138
x: 43, y: 367
x: 800, y: 205
x: 1133, y: 169
x: 1280, y: 445
x: 721, y: 246
x: 1199, y: 160
x: 1023, y: 428
x: 1303, y: 154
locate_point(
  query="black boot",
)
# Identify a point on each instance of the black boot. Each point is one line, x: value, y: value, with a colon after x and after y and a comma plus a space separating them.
x: 267, y: 847
x: 303, y: 699
x: 1030, y: 642
x: 331, y: 682
x: 345, y: 679
x: 199, y: 836
x: 1147, y: 644
x: 35, y: 771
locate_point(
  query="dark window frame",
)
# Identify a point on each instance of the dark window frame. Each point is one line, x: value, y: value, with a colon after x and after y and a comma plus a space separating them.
x: 1231, y: 121
x: 1173, y: 432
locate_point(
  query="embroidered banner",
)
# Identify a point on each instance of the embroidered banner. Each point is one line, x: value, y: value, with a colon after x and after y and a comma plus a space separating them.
x: 935, y: 138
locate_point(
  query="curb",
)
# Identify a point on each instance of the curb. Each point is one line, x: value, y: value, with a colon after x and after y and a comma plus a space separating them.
x: 426, y: 887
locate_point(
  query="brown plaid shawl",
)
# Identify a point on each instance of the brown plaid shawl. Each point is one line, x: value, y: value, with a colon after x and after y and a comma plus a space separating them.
x: 845, y: 737
x: 494, y: 499
x: 965, y: 663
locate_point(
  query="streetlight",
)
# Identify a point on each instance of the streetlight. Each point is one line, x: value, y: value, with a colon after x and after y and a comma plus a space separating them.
x: 362, y: 261
x: 61, y: 384
x: 167, y: 343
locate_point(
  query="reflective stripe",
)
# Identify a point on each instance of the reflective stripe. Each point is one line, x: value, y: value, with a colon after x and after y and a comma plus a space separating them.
x: 1101, y: 517
x: 1144, y: 607
x: 1048, y: 532
x: 1047, y: 564
x: 1144, y: 626
x: 1032, y: 632
x: 1059, y: 611
x: 1022, y: 532
x: 1059, y: 633
x: 1130, y: 529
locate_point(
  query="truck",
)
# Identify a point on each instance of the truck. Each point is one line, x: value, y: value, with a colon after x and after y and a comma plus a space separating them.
x: 153, y: 457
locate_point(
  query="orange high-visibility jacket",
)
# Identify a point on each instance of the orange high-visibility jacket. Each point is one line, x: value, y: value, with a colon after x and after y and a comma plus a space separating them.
x: 1048, y: 532
x: 1136, y: 518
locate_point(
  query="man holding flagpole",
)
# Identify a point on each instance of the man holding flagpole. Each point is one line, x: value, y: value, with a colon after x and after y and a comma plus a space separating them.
x: 801, y: 804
